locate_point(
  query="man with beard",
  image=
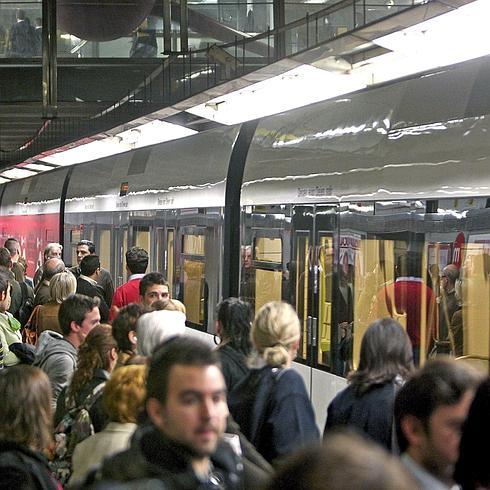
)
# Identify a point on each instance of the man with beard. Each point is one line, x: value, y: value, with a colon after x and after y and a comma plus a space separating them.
x: 182, y: 446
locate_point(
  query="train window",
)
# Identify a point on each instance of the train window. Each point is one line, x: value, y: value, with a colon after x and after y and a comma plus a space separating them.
x: 170, y: 257
x: 193, y: 244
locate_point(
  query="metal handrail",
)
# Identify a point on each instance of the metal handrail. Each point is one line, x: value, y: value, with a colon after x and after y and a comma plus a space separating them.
x: 179, y: 70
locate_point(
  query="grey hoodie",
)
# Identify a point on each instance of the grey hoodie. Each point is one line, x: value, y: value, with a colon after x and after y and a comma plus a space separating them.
x: 58, y: 359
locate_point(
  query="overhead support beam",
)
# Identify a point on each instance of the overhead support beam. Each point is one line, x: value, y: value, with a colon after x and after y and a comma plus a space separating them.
x: 50, y: 54
x: 167, y: 26
x: 184, y: 27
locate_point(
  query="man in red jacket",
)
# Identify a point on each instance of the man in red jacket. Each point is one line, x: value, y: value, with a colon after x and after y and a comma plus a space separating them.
x: 136, y: 264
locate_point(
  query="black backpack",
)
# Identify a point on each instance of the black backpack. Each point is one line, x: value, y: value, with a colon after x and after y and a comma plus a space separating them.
x: 27, y: 305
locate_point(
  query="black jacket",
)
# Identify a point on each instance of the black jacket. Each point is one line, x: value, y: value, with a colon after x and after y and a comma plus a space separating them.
x: 152, y: 456
x: 233, y: 365
x: 23, y: 469
x: 371, y: 413
x: 88, y: 289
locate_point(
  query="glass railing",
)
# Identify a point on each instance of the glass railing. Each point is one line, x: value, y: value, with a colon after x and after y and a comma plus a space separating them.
x: 179, y: 76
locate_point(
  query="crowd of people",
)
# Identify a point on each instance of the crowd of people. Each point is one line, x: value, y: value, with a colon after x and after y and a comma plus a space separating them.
x: 142, y: 403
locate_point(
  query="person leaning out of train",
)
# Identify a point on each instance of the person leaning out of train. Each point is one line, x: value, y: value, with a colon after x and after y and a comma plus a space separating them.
x: 129, y: 292
x: 9, y: 326
x: 25, y: 429
x: 366, y: 405
x: 271, y: 405
x: 233, y: 326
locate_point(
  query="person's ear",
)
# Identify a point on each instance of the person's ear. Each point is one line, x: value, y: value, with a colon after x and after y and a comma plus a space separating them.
x: 132, y: 337
x: 156, y: 412
x: 74, y: 327
x: 413, y: 430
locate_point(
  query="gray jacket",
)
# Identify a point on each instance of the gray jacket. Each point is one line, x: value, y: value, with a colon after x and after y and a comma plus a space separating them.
x: 58, y: 359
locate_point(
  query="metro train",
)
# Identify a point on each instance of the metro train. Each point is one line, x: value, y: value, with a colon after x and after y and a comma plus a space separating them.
x: 319, y: 206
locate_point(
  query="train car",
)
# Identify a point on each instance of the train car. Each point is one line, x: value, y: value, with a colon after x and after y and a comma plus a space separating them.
x: 329, y: 207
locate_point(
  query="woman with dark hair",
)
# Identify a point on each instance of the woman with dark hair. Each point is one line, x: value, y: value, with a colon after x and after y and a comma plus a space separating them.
x: 234, y: 318
x: 124, y: 332
x: 473, y: 469
x: 25, y: 429
x: 367, y: 403
x: 97, y: 358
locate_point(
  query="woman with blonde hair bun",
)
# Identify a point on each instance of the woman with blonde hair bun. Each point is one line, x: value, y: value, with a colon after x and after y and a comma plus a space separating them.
x: 271, y: 404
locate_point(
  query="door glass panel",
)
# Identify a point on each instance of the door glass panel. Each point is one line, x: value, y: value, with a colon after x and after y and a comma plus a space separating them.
x: 268, y: 286
x: 105, y: 249
x: 301, y: 293
x: 76, y: 236
x: 170, y: 257
x: 325, y: 280
x: 194, y: 290
x: 124, y: 250
x: 469, y: 326
x: 268, y: 250
x: 193, y: 244
x: 268, y: 279
x: 142, y: 239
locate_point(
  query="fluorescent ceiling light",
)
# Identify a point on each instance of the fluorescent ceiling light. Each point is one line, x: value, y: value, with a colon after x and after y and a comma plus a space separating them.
x: 278, y: 94
x: 450, y: 38
x: 38, y: 167
x: 17, y: 173
x: 138, y: 137
x: 457, y: 36
x: 154, y: 132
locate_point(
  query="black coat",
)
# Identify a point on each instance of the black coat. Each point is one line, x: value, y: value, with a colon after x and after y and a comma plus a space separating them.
x: 274, y: 412
x: 88, y: 289
x: 233, y: 365
x: 21, y: 468
x: 371, y: 413
x: 154, y: 457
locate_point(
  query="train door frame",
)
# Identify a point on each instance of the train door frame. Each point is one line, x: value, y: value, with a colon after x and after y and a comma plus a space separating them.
x: 182, y: 256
